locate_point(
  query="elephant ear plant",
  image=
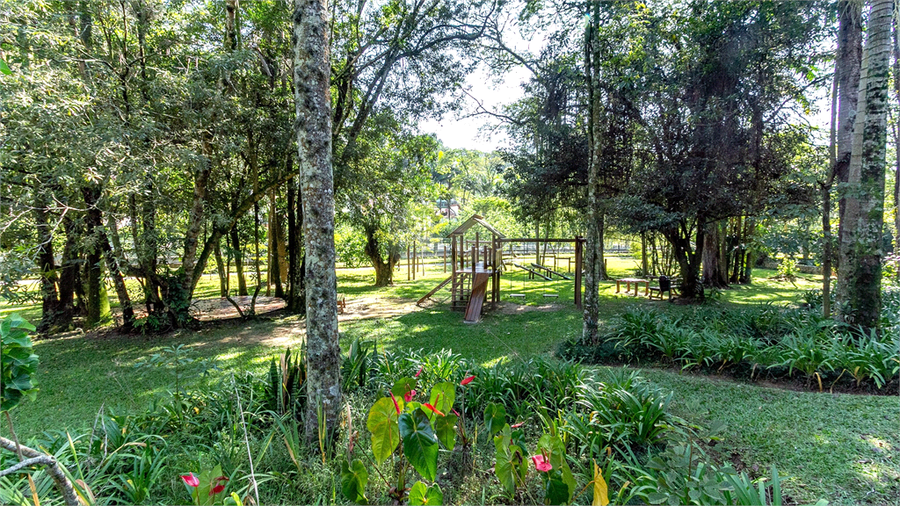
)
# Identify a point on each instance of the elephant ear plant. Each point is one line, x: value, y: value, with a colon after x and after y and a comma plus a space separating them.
x: 18, y: 364
x: 410, y: 432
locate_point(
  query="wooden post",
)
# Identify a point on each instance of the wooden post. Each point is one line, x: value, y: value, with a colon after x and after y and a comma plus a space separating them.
x: 408, y: 274
x: 579, y: 249
x: 414, y: 258
x: 498, y: 262
x: 477, y: 246
x: 452, y: 269
x: 445, y: 258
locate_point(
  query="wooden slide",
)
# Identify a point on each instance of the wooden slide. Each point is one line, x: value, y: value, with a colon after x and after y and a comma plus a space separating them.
x: 476, y: 299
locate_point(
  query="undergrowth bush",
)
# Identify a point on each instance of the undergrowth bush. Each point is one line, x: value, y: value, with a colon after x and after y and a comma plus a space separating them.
x: 771, y: 341
x: 520, y: 432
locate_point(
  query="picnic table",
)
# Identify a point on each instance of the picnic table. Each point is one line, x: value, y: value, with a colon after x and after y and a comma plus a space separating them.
x: 636, y: 281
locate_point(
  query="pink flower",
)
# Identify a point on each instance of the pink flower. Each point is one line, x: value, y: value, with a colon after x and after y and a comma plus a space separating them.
x: 455, y: 412
x: 190, y: 480
x: 408, y: 396
x: 420, y: 371
x: 218, y: 488
x: 541, y: 463
x: 516, y: 425
x: 432, y: 408
x: 396, y: 406
x: 467, y: 380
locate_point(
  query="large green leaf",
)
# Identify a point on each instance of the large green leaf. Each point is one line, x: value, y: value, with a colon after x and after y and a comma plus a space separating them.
x: 445, y: 428
x: 353, y: 481
x: 494, y: 418
x: 382, y: 423
x: 557, y: 450
x: 557, y: 491
x: 17, y: 362
x: 511, y: 465
x: 421, y: 494
x: 4, y: 68
x: 443, y: 395
x: 402, y: 386
x: 419, y: 443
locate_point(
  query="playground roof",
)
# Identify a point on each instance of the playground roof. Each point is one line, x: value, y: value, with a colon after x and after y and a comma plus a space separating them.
x: 460, y: 230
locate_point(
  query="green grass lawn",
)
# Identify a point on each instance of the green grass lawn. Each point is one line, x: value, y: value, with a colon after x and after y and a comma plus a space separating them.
x: 845, y: 448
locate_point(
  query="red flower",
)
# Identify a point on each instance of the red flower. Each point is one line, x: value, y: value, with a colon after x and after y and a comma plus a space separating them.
x: 420, y: 371
x: 408, y: 396
x: 455, y: 412
x: 541, y: 463
x: 218, y: 488
x: 467, y: 380
x: 190, y: 480
x: 432, y: 408
x: 396, y: 406
x: 516, y: 425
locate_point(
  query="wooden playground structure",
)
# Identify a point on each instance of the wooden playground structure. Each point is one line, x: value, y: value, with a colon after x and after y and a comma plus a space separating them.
x: 478, y: 264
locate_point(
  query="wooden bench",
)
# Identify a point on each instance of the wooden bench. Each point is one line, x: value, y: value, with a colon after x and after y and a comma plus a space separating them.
x: 341, y: 305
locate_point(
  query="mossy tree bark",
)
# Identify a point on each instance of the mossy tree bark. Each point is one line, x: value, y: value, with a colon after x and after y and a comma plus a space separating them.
x: 312, y: 71
x: 715, y: 272
x: 384, y: 267
x: 849, y: 60
x: 591, y: 300
x: 859, y: 277
x: 97, y: 300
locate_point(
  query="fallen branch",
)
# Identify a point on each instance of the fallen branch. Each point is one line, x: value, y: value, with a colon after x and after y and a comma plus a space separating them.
x: 37, y: 458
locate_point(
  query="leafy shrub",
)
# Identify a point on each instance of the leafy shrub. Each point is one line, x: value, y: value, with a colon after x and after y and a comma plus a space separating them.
x: 17, y: 362
x: 619, y: 409
x: 780, y: 341
x: 679, y: 476
x: 286, y: 388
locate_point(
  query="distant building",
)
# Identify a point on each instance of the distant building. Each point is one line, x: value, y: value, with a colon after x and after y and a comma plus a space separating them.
x: 449, y: 210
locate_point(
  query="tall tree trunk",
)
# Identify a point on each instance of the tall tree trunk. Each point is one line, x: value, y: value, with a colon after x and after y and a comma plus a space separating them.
x: 293, y: 249
x: 179, y: 289
x: 97, y: 300
x: 100, y: 241
x: 827, y: 241
x: 714, y: 275
x: 593, y: 254
x: 237, y: 250
x: 256, y: 251
x: 601, y: 255
x: 688, y: 258
x: 737, y: 257
x: 46, y: 267
x: 312, y: 69
x: 862, y: 245
x: 276, y: 247
x: 112, y: 265
x: 384, y: 269
x: 151, y: 248
x: 645, y: 265
x: 847, y: 68
x: 221, y: 269
x: 232, y: 32
x: 897, y: 136
x: 297, y: 304
x: 68, y: 276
